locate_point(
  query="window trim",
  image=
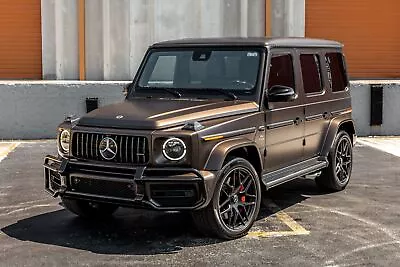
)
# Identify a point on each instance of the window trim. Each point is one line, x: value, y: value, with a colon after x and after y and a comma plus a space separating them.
x: 344, y: 72
x: 283, y: 53
x: 260, y: 80
x: 321, y: 74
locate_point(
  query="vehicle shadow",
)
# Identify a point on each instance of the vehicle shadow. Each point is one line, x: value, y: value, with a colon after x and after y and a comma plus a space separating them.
x: 136, y: 232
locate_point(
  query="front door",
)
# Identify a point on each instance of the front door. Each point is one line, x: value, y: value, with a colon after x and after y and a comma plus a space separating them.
x: 284, y: 120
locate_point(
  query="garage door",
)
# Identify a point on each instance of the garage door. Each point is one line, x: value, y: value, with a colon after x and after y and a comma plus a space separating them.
x: 20, y: 39
x: 369, y: 29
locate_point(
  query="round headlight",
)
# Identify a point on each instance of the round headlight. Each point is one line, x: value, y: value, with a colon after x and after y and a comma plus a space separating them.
x: 174, y: 149
x: 65, y: 137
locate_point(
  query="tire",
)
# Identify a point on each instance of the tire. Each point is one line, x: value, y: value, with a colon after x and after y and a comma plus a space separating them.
x: 235, y: 203
x: 337, y: 175
x: 89, y: 210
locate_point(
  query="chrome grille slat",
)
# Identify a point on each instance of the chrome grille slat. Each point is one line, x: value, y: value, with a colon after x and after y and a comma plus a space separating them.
x: 126, y: 149
x: 96, y: 146
x: 131, y: 149
x: 137, y: 150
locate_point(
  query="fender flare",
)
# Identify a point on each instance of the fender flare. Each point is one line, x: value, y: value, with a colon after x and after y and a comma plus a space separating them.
x: 219, y: 152
x: 333, y: 129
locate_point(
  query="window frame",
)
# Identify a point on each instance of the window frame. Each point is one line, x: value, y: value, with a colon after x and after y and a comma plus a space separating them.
x: 282, y: 53
x: 258, y: 88
x: 343, y: 70
x: 321, y: 73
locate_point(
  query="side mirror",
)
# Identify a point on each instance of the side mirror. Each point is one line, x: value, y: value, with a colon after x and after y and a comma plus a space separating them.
x: 280, y: 93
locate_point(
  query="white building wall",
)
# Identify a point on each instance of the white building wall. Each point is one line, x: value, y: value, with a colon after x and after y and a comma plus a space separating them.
x: 119, y: 31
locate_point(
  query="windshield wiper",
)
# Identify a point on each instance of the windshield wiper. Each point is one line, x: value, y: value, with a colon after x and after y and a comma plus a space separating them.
x: 223, y: 92
x: 168, y: 90
x: 171, y: 91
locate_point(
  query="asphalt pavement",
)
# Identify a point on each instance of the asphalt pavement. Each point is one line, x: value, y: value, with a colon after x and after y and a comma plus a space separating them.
x: 298, y: 224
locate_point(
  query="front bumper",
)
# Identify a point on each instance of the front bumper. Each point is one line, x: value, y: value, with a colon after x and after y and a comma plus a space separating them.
x: 141, y: 187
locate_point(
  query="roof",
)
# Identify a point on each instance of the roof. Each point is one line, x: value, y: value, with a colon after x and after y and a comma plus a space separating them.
x: 251, y: 41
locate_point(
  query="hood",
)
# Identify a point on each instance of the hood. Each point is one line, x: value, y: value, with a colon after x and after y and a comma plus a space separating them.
x: 153, y: 114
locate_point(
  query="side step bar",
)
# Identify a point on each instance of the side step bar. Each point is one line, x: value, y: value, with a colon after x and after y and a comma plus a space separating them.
x: 282, y: 176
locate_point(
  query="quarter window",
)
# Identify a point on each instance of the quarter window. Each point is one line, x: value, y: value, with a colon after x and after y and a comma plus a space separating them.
x: 311, y: 72
x: 336, y: 71
x: 281, y: 71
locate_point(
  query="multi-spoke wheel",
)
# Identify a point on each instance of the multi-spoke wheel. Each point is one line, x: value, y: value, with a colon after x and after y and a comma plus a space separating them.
x: 235, y: 204
x: 337, y: 175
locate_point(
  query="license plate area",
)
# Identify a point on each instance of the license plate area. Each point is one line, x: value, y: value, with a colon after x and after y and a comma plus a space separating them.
x: 119, y: 188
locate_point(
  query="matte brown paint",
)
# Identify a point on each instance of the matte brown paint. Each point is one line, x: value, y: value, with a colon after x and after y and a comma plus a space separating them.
x: 275, y: 137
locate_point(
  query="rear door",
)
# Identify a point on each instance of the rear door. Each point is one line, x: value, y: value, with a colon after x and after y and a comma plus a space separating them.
x: 284, y: 120
x: 317, y: 103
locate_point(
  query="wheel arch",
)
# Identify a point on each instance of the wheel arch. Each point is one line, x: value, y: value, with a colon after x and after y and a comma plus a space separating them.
x: 234, y: 148
x: 334, y: 128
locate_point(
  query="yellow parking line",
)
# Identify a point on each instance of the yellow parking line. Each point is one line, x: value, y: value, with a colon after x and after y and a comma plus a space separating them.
x: 296, y: 228
x: 6, y: 148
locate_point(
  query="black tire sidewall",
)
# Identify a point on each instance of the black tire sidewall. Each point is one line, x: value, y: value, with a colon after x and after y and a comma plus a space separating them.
x: 335, y: 179
x: 231, y: 164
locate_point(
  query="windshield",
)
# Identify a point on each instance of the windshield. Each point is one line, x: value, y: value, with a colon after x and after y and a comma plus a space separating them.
x: 202, y: 70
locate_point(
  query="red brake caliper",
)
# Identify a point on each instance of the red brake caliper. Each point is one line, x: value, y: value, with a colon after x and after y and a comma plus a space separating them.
x: 242, y: 198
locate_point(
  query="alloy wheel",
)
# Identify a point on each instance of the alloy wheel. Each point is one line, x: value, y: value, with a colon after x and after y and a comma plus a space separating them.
x: 343, y: 160
x: 237, y: 199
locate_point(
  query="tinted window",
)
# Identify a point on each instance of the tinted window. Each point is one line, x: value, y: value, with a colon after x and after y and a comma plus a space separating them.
x: 336, y: 71
x: 311, y: 73
x: 281, y: 71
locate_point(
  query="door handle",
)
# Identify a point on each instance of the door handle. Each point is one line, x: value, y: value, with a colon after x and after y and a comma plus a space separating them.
x: 298, y: 120
x: 261, y: 128
x: 326, y: 115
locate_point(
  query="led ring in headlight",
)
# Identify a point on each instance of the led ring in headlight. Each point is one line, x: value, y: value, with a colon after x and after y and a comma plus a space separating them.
x: 65, y: 137
x: 174, y: 149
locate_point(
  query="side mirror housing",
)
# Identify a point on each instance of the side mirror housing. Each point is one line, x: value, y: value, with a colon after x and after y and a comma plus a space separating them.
x: 280, y: 93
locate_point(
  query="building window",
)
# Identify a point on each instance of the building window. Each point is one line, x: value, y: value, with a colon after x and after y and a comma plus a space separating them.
x: 281, y: 71
x: 336, y: 71
x: 311, y: 73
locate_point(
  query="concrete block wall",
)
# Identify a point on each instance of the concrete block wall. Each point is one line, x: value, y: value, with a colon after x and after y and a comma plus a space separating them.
x: 361, y: 102
x: 32, y: 110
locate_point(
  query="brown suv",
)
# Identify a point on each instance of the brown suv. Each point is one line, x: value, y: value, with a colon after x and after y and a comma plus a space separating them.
x: 206, y: 125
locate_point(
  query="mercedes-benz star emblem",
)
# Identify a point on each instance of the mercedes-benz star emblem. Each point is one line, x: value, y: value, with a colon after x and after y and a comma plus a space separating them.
x: 119, y: 117
x: 108, y: 148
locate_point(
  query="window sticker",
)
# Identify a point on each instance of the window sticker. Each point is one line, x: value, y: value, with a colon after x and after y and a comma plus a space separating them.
x: 252, y: 54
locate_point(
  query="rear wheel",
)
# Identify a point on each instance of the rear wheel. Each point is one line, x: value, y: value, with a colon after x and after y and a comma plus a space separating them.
x: 89, y: 209
x: 235, y: 204
x: 337, y: 175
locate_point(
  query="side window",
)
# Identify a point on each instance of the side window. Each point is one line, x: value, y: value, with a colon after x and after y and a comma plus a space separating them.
x: 163, y: 72
x: 311, y: 73
x: 281, y: 71
x: 336, y: 71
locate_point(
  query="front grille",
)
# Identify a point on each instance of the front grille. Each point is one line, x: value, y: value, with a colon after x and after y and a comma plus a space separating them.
x: 131, y: 149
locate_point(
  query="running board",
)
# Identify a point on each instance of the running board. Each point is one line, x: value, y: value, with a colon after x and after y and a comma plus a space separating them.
x: 281, y: 176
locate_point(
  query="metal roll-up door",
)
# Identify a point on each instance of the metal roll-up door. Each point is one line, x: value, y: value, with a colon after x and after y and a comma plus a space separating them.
x: 20, y: 39
x: 369, y: 30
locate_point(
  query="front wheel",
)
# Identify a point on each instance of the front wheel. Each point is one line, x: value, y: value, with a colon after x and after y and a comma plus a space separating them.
x: 337, y: 175
x: 87, y: 209
x: 235, y: 204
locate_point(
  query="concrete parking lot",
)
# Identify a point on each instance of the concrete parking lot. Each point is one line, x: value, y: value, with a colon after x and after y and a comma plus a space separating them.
x: 298, y: 225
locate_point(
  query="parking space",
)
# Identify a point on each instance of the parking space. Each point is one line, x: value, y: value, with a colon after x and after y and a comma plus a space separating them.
x: 298, y: 224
